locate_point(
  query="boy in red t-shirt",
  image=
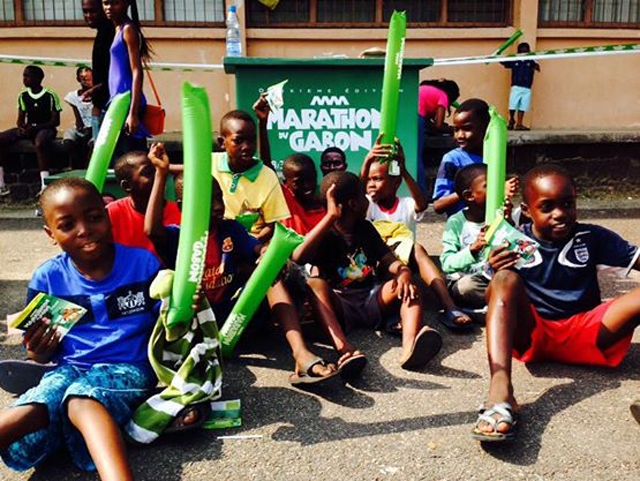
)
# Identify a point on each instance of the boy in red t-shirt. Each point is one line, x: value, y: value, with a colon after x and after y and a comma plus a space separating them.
x: 135, y: 172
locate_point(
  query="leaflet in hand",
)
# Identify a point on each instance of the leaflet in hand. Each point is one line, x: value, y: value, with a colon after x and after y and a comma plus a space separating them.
x: 275, y: 96
x: 62, y: 314
x: 502, y: 234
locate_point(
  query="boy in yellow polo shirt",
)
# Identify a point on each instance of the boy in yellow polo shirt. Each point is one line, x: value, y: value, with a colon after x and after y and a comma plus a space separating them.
x: 246, y: 184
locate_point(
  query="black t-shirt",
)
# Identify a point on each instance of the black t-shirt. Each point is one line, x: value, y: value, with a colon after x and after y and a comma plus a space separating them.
x: 100, y: 60
x: 38, y: 107
x: 351, y: 261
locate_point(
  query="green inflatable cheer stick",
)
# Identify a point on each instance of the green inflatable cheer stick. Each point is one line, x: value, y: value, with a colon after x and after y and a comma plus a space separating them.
x: 282, y: 244
x: 391, y: 81
x: 495, y: 156
x: 510, y: 41
x: 107, y: 139
x: 196, y: 203
x: 247, y: 220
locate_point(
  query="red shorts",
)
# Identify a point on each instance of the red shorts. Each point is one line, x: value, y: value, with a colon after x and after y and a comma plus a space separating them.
x: 573, y: 340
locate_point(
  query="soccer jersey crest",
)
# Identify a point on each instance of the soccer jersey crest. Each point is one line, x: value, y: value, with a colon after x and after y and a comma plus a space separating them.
x: 582, y: 253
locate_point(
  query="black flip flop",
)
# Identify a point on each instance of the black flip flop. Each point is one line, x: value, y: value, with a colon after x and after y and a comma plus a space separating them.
x: 447, y: 318
x: 18, y: 376
x: 425, y: 347
x: 352, y: 367
x: 203, y: 408
x: 306, y: 375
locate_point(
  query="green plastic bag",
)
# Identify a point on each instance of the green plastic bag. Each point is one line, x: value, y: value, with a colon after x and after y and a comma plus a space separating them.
x: 495, y: 156
x: 391, y: 81
x: 107, y: 139
x: 282, y: 244
x: 196, y: 203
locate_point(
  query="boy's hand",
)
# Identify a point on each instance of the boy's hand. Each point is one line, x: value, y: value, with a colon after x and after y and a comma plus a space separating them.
x: 261, y: 107
x: 508, y: 210
x: 132, y: 124
x: 511, y: 186
x: 400, y: 156
x: 480, y: 243
x: 198, y: 298
x: 333, y: 208
x: 403, y: 286
x: 40, y: 341
x: 159, y: 158
x: 87, y: 95
x: 501, y: 258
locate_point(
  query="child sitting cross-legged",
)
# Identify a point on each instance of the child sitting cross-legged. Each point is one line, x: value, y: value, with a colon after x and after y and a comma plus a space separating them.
x: 387, y: 210
x: 229, y: 261
x: 550, y: 309
x: 348, y: 251
x: 102, y: 371
x: 135, y: 174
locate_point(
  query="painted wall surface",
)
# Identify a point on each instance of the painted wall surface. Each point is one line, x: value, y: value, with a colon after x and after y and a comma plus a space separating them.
x: 589, y: 93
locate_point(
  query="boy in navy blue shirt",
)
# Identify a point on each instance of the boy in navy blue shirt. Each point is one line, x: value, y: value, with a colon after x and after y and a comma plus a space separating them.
x: 551, y: 309
x: 521, y: 80
x: 102, y: 371
x: 469, y: 126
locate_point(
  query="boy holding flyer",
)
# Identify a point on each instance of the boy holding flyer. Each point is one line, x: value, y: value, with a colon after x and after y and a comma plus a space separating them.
x: 551, y: 309
x: 102, y: 371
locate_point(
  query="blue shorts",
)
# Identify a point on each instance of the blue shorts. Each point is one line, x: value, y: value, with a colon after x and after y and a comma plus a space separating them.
x: 520, y: 98
x: 120, y: 388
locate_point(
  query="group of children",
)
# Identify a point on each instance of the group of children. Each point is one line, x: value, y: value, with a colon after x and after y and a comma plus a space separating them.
x: 119, y: 51
x: 358, y: 266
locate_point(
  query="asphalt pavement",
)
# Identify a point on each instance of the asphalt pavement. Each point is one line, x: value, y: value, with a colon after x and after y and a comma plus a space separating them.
x: 392, y: 424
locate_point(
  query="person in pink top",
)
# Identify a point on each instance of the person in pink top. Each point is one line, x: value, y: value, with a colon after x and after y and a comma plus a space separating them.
x: 435, y: 98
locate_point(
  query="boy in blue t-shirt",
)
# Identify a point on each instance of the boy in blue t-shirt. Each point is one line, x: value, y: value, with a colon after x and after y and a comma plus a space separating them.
x: 521, y: 80
x: 102, y: 371
x: 551, y: 308
x: 470, y: 123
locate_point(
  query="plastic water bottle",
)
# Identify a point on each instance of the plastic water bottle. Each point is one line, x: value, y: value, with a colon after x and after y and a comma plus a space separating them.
x: 234, y: 43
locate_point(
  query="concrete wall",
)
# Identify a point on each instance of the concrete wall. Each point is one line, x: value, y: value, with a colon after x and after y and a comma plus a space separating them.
x: 589, y: 93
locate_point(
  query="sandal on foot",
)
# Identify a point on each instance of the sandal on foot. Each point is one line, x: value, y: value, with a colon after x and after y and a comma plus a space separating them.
x: 635, y: 410
x: 448, y: 319
x: 177, y: 425
x: 306, y: 374
x: 425, y: 347
x: 18, y: 376
x: 352, y: 366
x: 522, y: 127
x: 506, y: 415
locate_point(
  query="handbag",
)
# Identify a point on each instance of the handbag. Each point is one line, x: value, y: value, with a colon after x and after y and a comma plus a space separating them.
x: 154, y: 115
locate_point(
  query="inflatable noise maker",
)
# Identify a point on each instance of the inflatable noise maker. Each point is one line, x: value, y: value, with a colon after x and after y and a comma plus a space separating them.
x: 196, y: 203
x: 495, y: 156
x: 107, y: 139
x: 282, y: 244
x: 391, y: 82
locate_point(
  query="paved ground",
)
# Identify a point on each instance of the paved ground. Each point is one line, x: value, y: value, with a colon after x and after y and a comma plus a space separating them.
x: 392, y: 425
